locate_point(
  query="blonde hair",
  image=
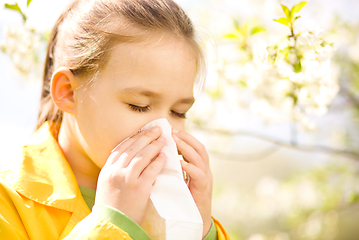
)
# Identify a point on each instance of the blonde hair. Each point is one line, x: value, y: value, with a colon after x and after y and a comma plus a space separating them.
x: 88, y: 29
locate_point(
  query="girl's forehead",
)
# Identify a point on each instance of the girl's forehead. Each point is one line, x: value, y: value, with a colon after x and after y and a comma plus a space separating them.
x: 165, y: 50
x: 151, y: 63
x: 156, y: 41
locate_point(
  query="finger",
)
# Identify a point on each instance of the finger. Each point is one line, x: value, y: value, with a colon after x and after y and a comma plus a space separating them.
x: 145, y: 156
x: 150, y: 173
x: 193, y: 142
x: 196, y: 174
x: 189, y: 153
x: 143, y: 141
x: 128, y: 141
x: 121, y: 147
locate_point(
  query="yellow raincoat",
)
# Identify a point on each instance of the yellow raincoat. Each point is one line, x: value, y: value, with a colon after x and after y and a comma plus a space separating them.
x: 40, y: 198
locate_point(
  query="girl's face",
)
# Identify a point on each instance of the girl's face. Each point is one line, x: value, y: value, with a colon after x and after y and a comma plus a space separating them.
x: 141, y: 82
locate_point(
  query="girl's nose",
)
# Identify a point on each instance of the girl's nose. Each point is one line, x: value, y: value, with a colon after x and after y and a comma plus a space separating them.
x: 170, y: 119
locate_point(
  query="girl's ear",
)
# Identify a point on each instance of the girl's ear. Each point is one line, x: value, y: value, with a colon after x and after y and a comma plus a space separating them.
x: 62, y: 89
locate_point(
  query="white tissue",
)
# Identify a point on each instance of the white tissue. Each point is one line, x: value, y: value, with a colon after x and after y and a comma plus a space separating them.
x: 172, y: 213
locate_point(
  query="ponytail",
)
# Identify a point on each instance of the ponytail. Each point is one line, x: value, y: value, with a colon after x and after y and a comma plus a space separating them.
x: 48, y: 111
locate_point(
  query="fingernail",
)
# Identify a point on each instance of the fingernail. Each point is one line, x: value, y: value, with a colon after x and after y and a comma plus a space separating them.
x: 155, y: 129
x: 161, y: 154
x: 161, y: 139
x: 142, y: 132
x: 175, y: 137
x: 175, y: 130
x: 183, y: 162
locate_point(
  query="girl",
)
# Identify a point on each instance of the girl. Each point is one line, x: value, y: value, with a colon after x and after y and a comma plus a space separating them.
x: 112, y: 66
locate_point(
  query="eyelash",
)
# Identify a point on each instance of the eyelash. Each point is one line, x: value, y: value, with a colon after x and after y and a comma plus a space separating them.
x: 180, y: 115
x: 138, y: 108
x: 147, y: 108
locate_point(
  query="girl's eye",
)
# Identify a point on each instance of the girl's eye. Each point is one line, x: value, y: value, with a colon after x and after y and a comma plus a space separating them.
x: 147, y: 108
x: 180, y: 115
x: 138, y: 108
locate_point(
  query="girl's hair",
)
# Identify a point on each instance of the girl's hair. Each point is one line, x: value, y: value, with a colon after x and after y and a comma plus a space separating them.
x: 88, y: 29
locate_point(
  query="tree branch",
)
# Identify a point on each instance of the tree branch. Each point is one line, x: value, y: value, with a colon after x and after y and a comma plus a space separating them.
x: 307, y: 148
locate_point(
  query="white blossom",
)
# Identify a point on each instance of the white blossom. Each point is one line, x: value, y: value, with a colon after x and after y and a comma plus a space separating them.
x: 260, y: 54
x: 23, y: 45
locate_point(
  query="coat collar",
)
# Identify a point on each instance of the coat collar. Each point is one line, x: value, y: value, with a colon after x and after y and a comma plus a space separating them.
x: 43, y: 174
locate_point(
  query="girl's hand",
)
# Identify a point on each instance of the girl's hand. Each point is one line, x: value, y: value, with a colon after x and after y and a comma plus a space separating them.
x: 196, y: 165
x: 126, y: 180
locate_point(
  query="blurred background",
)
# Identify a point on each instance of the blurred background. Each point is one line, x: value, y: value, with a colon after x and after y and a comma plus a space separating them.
x: 278, y: 113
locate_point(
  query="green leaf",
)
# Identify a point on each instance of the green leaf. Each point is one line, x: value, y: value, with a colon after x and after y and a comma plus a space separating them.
x: 216, y: 93
x: 257, y: 30
x: 243, y: 83
x: 28, y: 2
x: 283, y: 21
x: 295, y: 99
x: 353, y: 198
x: 230, y: 36
x: 13, y: 7
x: 286, y: 11
x: 297, y: 7
x: 16, y: 8
x: 298, y: 66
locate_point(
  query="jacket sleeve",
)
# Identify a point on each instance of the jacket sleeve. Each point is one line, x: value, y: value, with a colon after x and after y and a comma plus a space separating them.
x: 222, y: 234
x: 121, y: 220
x: 107, y: 223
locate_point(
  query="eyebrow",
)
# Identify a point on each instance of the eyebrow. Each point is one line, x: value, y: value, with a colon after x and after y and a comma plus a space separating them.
x: 148, y: 93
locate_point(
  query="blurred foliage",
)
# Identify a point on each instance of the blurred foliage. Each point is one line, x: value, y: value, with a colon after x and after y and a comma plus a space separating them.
x: 24, y: 45
x: 347, y: 58
x: 284, y: 82
x: 307, y: 206
x: 16, y: 8
x: 290, y: 80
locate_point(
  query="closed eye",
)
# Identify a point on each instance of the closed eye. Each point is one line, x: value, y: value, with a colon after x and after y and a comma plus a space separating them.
x: 138, y: 108
x: 180, y: 115
x: 147, y: 108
